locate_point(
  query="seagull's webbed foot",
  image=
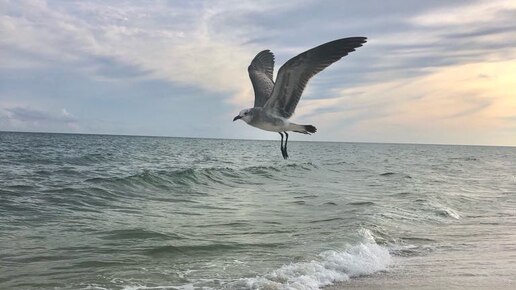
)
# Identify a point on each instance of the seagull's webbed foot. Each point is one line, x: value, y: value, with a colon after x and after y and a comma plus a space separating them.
x: 283, y: 150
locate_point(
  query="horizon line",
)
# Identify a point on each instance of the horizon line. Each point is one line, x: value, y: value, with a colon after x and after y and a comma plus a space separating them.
x: 219, y: 138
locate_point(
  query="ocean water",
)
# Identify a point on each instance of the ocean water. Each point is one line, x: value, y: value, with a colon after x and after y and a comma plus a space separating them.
x: 122, y: 212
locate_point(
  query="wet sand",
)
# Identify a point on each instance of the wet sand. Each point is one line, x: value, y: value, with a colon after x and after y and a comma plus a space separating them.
x: 426, y: 281
x: 487, y: 261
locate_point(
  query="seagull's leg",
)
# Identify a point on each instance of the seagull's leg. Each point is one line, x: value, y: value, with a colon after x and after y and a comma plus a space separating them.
x: 282, y: 149
x: 285, y: 147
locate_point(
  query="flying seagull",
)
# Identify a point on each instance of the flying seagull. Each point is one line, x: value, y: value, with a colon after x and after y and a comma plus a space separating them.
x: 274, y: 103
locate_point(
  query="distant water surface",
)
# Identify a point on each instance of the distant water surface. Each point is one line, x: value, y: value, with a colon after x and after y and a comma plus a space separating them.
x: 119, y: 212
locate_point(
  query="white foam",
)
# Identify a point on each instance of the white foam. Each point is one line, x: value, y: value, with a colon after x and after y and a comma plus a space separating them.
x: 364, y: 258
x: 452, y: 213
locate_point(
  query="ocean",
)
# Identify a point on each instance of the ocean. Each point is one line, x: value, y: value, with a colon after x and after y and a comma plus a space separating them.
x: 128, y: 212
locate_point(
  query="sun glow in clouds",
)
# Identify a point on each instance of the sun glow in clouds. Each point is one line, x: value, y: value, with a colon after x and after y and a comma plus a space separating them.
x: 466, y: 101
x: 431, y: 72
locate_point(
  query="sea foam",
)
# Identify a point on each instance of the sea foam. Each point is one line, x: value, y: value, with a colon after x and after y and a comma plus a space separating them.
x: 364, y: 258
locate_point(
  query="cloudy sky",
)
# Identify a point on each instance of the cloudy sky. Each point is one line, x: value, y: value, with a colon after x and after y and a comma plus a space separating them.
x: 431, y: 72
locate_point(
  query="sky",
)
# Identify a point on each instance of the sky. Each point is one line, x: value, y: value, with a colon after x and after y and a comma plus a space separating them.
x: 439, y: 72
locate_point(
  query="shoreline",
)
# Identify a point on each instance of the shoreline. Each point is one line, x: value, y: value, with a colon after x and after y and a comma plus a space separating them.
x: 441, y: 270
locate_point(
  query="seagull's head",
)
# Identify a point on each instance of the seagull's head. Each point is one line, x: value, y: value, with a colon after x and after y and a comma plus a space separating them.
x: 245, y: 114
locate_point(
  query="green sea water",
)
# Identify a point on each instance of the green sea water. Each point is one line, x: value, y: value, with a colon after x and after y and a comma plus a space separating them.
x: 125, y: 212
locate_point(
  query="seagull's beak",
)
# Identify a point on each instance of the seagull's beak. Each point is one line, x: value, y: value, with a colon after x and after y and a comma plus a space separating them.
x: 236, y: 118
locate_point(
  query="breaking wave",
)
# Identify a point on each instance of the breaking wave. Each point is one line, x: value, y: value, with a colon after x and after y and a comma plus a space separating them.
x: 364, y: 258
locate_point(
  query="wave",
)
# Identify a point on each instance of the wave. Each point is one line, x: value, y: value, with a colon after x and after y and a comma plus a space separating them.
x: 386, y: 174
x: 95, y: 194
x: 361, y: 203
x: 137, y: 234
x: 448, y: 212
x: 464, y: 158
x: 330, y: 267
x: 364, y: 258
x: 189, y: 177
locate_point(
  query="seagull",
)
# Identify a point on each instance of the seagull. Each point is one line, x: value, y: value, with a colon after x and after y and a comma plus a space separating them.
x: 275, y: 103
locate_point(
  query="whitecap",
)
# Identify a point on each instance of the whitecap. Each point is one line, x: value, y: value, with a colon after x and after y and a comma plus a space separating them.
x: 364, y: 258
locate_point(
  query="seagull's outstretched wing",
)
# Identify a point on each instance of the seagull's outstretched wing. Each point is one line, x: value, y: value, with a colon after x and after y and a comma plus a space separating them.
x: 295, y: 73
x: 260, y: 71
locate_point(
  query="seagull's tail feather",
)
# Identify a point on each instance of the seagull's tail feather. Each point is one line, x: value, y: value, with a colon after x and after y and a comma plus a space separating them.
x: 304, y: 129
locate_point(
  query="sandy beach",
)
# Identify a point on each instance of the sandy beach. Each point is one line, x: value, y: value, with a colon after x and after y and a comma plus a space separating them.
x: 478, y: 264
x: 437, y: 279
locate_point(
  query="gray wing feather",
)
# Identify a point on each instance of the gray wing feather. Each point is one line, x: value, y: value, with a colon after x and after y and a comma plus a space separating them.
x: 295, y: 73
x: 260, y: 71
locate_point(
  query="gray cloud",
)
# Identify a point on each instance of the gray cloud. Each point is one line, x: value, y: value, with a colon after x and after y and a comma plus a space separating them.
x: 29, y: 115
x: 152, y: 65
x: 28, y: 118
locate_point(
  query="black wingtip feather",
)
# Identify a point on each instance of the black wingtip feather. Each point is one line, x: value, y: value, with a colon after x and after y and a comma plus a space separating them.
x: 310, y: 129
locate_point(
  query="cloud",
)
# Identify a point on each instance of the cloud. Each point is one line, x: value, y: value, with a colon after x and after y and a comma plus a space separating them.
x: 189, y: 44
x: 116, y: 58
x: 475, y: 13
x: 157, y: 40
x: 66, y: 114
x: 26, y: 118
x: 447, y: 105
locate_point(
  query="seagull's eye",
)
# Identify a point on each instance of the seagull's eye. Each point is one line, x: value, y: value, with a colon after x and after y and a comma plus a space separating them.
x: 245, y: 114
